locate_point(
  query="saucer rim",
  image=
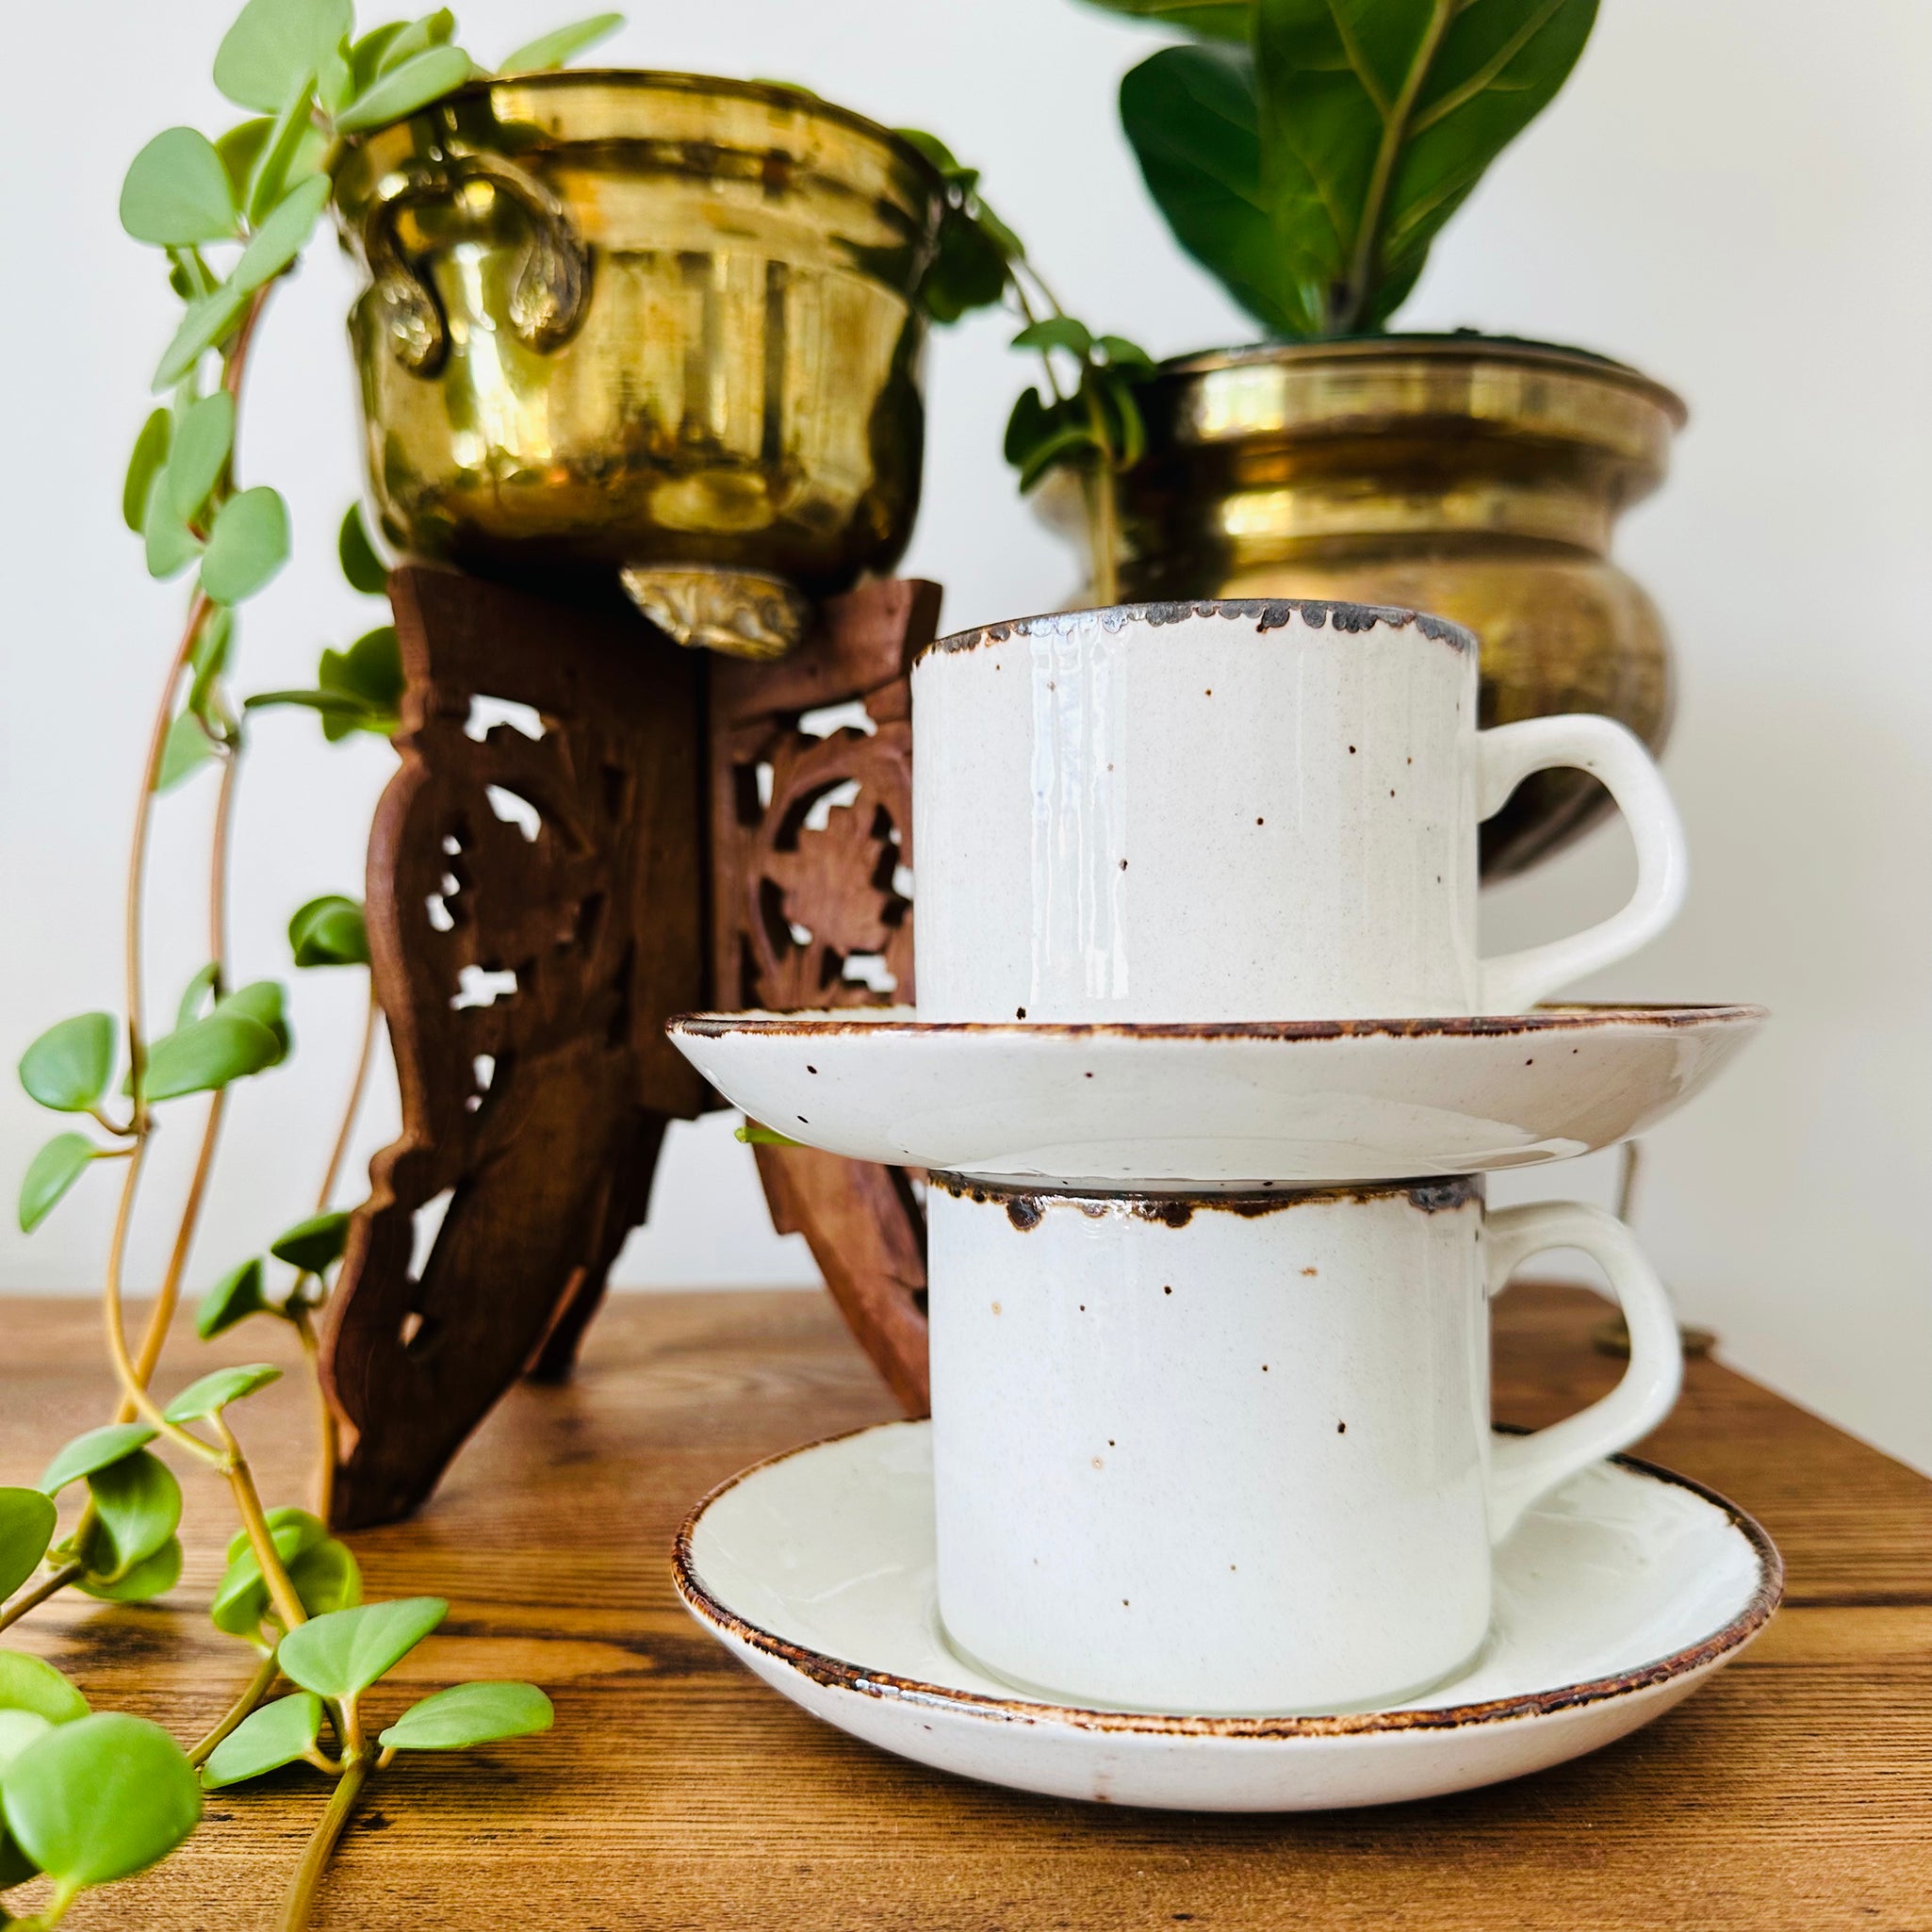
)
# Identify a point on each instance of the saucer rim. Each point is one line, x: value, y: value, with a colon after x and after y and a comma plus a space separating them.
x: 817, y: 1022
x: 836, y: 1674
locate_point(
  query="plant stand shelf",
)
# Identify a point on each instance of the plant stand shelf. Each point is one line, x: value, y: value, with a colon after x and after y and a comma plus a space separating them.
x: 676, y: 1790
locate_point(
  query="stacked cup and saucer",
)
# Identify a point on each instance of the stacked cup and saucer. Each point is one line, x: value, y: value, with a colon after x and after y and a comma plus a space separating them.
x: 1206, y: 1072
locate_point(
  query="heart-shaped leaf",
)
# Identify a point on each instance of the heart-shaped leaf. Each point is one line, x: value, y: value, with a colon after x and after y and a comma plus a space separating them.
x: 99, y: 1448
x: 329, y: 932
x: 242, y: 1602
x: 262, y: 1001
x: 69, y: 1066
x: 466, y: 1714
x: 1057, y: 332
x: 280, y: 1733
x: 50, y: 1173
x: 155, y: 1577
x: 26, y: 1527
x: 138, y: 1509
x: 425, y: 78
x: 240, y: 148
x: 209, y: 322
x: 99, y: 1799
x: 342, y: 1654
x: 178, y: 192
x: 170, y: 545
x: 1207, y: 20
x: 144, y: 464
x: 314, y: 1244
x: 18, y: 1729
x: 186, y: 749
x: 234, y: 1297
x: 202, y: 439
x: 274, y: 44
x: 209, y: 1053
x: 413, y: 38
x: 326, y: 1577
x: 248, y: 546
x: 561, y: 44
x: 282, y: 236
x: 214, y: 1391
x: 364, y: 570
x: 293, y: 1531
x: 31, y: 1683
x: 365, y: 57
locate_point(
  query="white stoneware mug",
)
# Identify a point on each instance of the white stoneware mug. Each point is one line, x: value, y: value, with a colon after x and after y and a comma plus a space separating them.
x: 1232, y: 1455
x: 1241, y: 811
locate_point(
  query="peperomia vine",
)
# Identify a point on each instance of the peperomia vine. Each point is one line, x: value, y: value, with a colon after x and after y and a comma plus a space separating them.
x: 88, y: 1799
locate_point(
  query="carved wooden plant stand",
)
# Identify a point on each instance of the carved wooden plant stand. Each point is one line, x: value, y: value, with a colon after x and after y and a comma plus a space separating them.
x: 592, y: 830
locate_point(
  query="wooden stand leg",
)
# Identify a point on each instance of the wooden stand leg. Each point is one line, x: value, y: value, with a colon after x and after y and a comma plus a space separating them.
x: 535, y: 911
x: 811, y: 847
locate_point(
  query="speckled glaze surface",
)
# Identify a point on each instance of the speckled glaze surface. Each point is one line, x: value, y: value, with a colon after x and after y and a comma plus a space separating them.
x: 1231, y: 1106
x: 1614, y: 1598
x: 1241, y: 811
x: 1232, y: 1453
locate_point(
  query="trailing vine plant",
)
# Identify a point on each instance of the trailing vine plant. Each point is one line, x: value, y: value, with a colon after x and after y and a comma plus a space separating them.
x: 88, y: 1798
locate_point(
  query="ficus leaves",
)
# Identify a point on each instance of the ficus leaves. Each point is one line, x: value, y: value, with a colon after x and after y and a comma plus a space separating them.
x: 1310, y: 163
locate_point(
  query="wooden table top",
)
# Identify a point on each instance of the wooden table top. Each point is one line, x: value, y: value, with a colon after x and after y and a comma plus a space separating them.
x: 676, y: 1792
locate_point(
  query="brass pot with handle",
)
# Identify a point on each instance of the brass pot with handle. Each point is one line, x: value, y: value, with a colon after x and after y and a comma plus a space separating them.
x: 651, y: 324
x: 1473, y: 477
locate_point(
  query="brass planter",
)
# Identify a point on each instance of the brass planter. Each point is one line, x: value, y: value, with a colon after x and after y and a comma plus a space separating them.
x: 1476, y: 478
x: 648, y: 323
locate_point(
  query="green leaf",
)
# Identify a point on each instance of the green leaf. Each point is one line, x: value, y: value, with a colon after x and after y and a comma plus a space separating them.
x: 249, y: 545
x: 366, y: 55
x: 144, y: 464
x: 284, y: 1732
x: 213, y: 1392
x: 291, y: 150
x: 425, y: 77
x: 466, y: 1714
x: 99, y: 1799
x: 433, y: 30
x: 1039, y: 435
x: 69, y: 1066
x: 172, y: 546
x: 364, y: 570
x: 342, y: 1654
x: 293, y: 1531
x: 323, y: 1571
x: 203, y: 441
x: 314, y: 1244
x: 1377, y: 120
x: 178, y: 192
x: 234, y: 1297
x: 282, y: 236
x: 153, y: 1577
x: 326, y: 1577
x: 1057, y: 332
x: 329, y: 932
x: 26, y: 1527
x: 31, y: 1683
x: 274, y: 44
x: 560, y: 44
x: 1207, y: 20
x: 262, y: 1001
x: 97, y: 1449
x: 50, y: 1173
x: 968, y: 269
x: 184, y: 754
x: 138, y: 1508
x: 240, y: 148
x: 196, y: 994
x: 1192, y: 118
x: 208, y: 659
x: 370, y: 669
x: 209, y: 323
x: 209, y: 1053
x: 18, y: 1729
x: 1123, y: 354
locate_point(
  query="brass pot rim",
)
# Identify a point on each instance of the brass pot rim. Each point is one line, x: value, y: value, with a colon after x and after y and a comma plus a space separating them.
x: 668, y: 80
x: 1459, y: 346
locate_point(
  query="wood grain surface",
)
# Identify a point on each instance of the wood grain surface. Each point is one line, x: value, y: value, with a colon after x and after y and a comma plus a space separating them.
x: 1793, y: 1790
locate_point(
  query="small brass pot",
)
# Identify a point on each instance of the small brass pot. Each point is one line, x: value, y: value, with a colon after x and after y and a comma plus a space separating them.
x: 1476, y: 478
x: 649, y: 323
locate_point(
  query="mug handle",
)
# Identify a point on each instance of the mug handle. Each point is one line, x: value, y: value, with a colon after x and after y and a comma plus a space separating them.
x: 1524, y: 1468
x: 1507, y: 754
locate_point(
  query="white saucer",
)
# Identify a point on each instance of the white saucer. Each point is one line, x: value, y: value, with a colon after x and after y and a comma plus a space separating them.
x: 1614, y: 1599
x: 1227, y: 1106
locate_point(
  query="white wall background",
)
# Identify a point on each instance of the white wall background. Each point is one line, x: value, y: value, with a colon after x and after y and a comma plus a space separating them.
x: 1726, y: 196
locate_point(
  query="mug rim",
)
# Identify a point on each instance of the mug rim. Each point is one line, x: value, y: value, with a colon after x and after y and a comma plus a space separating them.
x: 1025, y: 1202
x: 1270, y: 613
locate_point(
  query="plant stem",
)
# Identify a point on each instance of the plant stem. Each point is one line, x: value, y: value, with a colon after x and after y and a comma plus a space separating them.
x: 54, y: 1580
x: 234, y: 1466
x: 251, y: 1694
x: 326, y: 1445
x: 301, y: 1896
